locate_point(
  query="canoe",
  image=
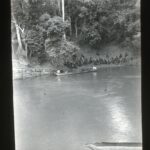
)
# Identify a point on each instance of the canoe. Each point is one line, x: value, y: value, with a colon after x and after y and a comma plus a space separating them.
x: 70, y: 73
x: 63, y: 74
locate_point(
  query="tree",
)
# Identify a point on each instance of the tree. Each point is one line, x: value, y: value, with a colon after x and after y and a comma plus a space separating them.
x: 73, y: 9
x: 20, y: 19
x: 101, y: 22
x: 91, y: 22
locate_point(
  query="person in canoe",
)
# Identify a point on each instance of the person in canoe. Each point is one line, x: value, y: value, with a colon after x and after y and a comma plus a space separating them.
x: 94, y: 68
x: 60, y: 71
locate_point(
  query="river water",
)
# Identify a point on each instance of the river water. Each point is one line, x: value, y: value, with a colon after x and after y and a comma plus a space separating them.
x: 67, y: 112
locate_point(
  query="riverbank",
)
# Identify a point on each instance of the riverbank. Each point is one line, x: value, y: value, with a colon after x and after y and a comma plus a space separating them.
x: 21, y: 71
x: 111, y: 55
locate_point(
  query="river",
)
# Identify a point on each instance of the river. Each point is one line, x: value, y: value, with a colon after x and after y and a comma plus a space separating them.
x: 67, y: 112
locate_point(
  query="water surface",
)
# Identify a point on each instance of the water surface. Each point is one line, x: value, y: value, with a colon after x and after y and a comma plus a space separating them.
x: 67, y: 112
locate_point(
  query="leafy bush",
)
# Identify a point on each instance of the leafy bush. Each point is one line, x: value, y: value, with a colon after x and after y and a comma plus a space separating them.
x: 45, y: 17
x: 91, y: 36
x: 55, y: 27
x: 35, y: 44
x: 62, y: 53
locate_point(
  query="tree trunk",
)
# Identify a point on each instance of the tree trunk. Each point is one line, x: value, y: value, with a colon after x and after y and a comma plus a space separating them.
x: 76, y: 29
x: 18, y: 35
x: 70, y: 27
x: 63, y: 16
x: 20, y: 50
x: 59, y: 6
x: 26, y: 51
x: 63, y: 11
x: 19, y: 39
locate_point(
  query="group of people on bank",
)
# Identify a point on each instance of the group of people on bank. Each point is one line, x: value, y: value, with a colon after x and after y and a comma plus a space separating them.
x: 96, y: 61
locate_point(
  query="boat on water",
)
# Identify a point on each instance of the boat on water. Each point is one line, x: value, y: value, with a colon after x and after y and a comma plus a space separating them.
x: 63, y: 74
x: 59, y: 73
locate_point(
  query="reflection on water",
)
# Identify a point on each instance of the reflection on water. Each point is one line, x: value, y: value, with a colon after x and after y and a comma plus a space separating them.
x: 67, y: 112
x: 119, y: 120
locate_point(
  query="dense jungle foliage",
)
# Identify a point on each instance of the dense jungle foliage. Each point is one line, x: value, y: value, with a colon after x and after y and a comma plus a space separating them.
x: 41, y: 34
